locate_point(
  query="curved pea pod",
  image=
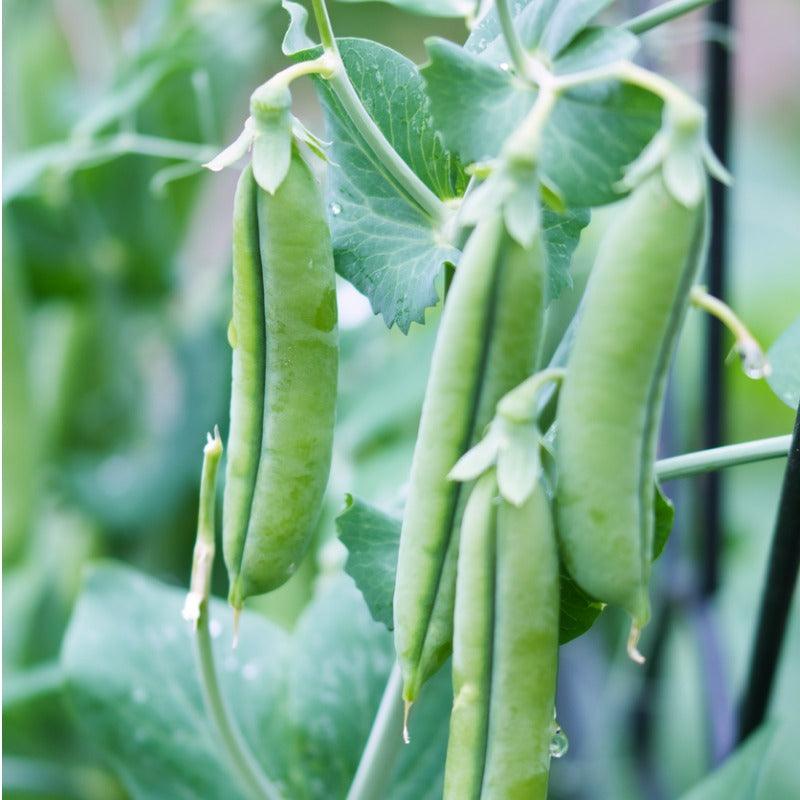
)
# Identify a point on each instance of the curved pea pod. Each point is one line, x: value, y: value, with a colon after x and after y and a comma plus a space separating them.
x: 611, y: 400
x: 285, y: 361
x: 487, y: 343
x: 473, y: 628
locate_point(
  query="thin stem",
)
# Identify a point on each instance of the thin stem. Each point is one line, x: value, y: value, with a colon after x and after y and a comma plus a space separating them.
x: 195, y: 609
x: 324, y: 65
x: 523, y: 143
x: 345, y: 92
x: 661, y: 14
x: 776, y: 601
x: 324, y: 26
x: 406, y: 178
x: 718, y: 457
x: 753, y: 358
x: 518, y: 54
x: 384, y: 743
x: 520, y: 403
x: 628, y: 72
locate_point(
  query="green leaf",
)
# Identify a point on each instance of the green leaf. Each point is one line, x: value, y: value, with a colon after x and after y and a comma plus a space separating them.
x: 544, y: 25
x: 296, y: 39
x: 384, y: 244
x: 498, y: 103
x: 578, y: 610
x: 739, y: 776
x: 372, y: 539
x: 130, y: 675
x: 784, y: 358
x: 593, y: 133
x: 665, y: 518
x: 431, y: 8
x: 561, y: 233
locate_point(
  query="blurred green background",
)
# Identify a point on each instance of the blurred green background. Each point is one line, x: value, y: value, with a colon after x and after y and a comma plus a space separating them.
x: 116, y: 296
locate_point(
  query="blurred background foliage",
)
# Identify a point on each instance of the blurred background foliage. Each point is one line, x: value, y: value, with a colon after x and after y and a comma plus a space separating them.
x: 116, y: 297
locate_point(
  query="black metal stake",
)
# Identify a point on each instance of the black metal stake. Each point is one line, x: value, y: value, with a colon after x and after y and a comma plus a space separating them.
x: 776, y: 600
x: 720, y: 101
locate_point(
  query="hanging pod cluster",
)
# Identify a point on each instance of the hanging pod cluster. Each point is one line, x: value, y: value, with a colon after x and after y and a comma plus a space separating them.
x: 285, y: 360
x: 488, y: 341
x: 611, y: 400
x: 505, y: 648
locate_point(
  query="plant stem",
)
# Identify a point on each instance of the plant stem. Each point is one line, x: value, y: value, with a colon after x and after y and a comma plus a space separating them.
x: 753, y: 359
x: 345, y: 92
x: 628, y: 72
x: 661, y: 14
x: 518, y: 54
x: 244, y: 764
x: 776, y: 601
x: 383, y: 745
x: 718, y: 457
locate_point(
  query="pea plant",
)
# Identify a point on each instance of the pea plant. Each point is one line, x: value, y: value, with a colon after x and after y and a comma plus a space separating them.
x: 533, y: 508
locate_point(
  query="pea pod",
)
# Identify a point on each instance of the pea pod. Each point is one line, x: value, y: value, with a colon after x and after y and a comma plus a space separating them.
x: 473, y: 626
x: 285, y: 360
x: 610, y: 403
x: 505, y: 649
x: 487, y: 343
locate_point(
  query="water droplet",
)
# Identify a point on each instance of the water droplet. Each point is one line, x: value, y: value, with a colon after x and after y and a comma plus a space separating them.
x: 214, y: 629
x: 335, y: 209
x: 482, y: 44
x: 559, y: 743
x: 504, y: 66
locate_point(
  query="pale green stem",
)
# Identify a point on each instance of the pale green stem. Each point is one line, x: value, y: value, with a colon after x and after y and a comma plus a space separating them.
x: 661, y: 14
x: 523, y: 144
x: 324, y: 66
x: 631, y: 73
x: 345, y: 92
x: 384, y: 743
x: 516, y: 50
x: 244, y: 764
x: 520, y: 405
x: 719, y: 457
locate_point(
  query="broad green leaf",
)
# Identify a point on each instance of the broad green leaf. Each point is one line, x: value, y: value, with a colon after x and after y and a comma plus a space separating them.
x: 342, y: 661
x: 384, y: 244
x: 431, y: 8
x: 739, y: 776
x: 593, y: 133
x: 561, y: 233
x: 665, y: 518
x: 130, y: 675
x: 784, y: 358
x: 296, y: 39
x: 546, y: 26
x: 372, y: 539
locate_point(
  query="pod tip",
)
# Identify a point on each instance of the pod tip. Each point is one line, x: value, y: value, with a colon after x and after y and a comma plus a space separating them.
x: 633, y: 645
x: 237, y: 613
x: 406, y: 711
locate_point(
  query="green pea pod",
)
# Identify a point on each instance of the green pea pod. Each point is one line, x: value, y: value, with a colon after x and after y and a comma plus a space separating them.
x: 285, y: 360
x: 473, y: 628
x: 525, y: 652
x: 610, y: 403
x: 487, y: 343
x: 505, y: 649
